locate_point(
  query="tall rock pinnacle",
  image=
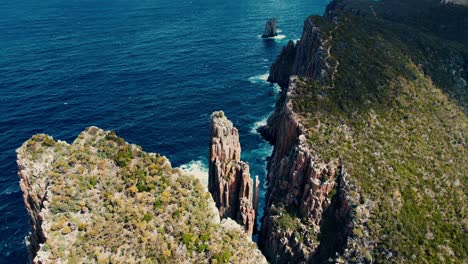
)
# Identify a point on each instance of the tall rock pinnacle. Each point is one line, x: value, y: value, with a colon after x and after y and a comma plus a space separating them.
x: 229, y: 178
x: 270, y: 29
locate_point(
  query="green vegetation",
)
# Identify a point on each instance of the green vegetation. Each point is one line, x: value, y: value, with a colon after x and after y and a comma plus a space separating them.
x: 110, y: 202
x: 288, y: 221
x: 395, y: 118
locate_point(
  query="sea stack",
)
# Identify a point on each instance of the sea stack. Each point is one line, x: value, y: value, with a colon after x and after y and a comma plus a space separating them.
x: 270, y: 29
x: 229, y: 178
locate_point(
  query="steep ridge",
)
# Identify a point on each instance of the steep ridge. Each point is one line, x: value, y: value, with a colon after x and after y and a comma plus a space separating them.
x: 448, y: 68
x: 229, y: 179
x: 299, y: 181
x: 103, y: 200
x: 357, y: 94
x: 299, y: 188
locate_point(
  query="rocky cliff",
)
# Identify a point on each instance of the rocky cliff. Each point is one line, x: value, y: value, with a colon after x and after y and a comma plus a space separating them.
x: 229, y: 179
x: 103, y: 200
x: 356, y: 90
x: 306, y: 58
x: 300, y: 182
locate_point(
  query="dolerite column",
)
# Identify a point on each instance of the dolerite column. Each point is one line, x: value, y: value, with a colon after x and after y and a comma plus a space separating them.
x: 229, y: 178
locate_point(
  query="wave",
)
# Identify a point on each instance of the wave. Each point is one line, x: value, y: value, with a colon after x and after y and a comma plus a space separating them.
x: 258, y: 124
x: 279, y: 37
x: 276, y: 88
x: 197, y: 168
x: 262, y: 78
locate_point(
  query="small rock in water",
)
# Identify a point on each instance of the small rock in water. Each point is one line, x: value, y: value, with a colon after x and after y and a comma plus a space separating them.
x: 270, y: 29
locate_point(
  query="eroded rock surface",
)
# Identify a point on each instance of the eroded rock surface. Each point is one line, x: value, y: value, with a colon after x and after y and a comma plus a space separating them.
x: 299, y: 184
x: 306, y: 58
x: 229, y: 177
x: 299, y: 181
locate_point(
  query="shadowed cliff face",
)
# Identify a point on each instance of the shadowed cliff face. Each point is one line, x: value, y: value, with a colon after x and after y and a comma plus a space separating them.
x: 299, y: 181
x: 34, y: 196
x: 300, y: 184
x: 306, y: 58
x: 229, y: 178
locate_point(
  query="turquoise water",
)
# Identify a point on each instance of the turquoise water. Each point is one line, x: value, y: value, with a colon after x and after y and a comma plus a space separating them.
x: 153, y: 71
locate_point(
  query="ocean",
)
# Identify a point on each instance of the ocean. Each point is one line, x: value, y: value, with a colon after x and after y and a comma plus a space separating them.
x: 153, y: 71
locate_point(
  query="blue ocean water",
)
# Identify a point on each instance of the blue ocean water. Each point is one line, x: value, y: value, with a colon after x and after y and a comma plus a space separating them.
x: 153, y: 71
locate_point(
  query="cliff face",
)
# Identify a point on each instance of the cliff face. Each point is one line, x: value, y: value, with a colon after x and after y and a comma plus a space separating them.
x: 299, y: 181
x: 362, y: 100
x: 306, y: 58
x: 35, y: 196
x: 299, y: 187
x: 229, y: 177
x: 103, y: 200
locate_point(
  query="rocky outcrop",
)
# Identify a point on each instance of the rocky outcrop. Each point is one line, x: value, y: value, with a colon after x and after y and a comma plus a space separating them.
x: 306, y: 58
x: 270, y: 29
x: 34, y: 195
x: 282, y: 67
x: 102, y: 200
x: 229, y: 178
x: 300, y: 183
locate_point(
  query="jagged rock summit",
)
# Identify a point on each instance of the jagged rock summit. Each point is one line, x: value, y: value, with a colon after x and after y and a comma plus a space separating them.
x: 229, y: 178
x: 270, y: 29
x: 102, y: 200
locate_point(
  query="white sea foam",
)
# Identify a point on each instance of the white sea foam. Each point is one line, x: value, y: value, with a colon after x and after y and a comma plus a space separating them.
x: 262, y: 78
x: 277, y: 37
x: 279, y: 30
x: 198, y: 169
x: 280, y: 37
x: 276, y: 88
x: 257, y: 125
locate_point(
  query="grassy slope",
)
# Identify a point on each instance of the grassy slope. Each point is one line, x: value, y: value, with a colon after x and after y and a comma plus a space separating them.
x: 111, y: 202
x: 401, y: 138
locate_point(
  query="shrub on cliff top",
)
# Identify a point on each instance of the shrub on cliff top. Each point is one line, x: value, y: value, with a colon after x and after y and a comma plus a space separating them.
x: 387, y: 116
x: 132, y: 206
